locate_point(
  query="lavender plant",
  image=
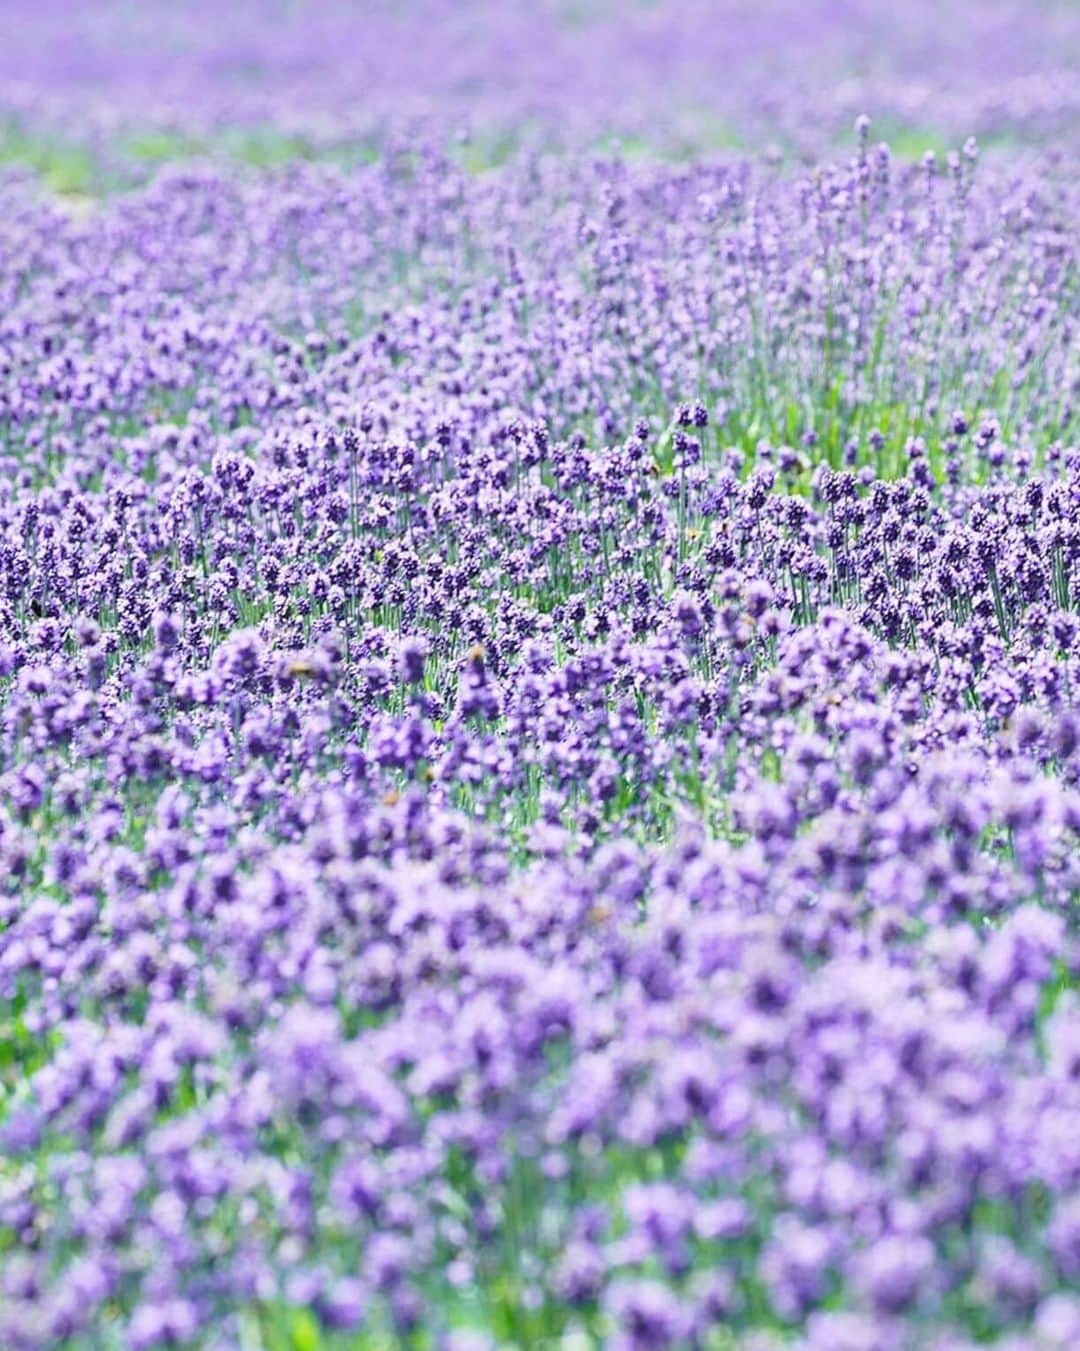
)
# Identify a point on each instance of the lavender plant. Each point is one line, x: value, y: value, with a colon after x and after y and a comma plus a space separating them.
x: 539, y: 749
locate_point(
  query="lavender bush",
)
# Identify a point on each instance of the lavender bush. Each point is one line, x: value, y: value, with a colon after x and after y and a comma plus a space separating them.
x: 539, y: 741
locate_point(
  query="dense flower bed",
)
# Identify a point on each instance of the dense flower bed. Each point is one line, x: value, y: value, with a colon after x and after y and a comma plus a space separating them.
x: 540, y: 753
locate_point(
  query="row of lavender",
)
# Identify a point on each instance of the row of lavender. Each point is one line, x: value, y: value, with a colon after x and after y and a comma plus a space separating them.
x: 836, y: 316
x: 540, y: 778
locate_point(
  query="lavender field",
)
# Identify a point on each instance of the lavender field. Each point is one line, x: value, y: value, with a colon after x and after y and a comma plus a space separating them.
x: 539, y: 672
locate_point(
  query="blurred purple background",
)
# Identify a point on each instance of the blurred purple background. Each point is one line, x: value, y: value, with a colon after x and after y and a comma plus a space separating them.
x: 719, y: 73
